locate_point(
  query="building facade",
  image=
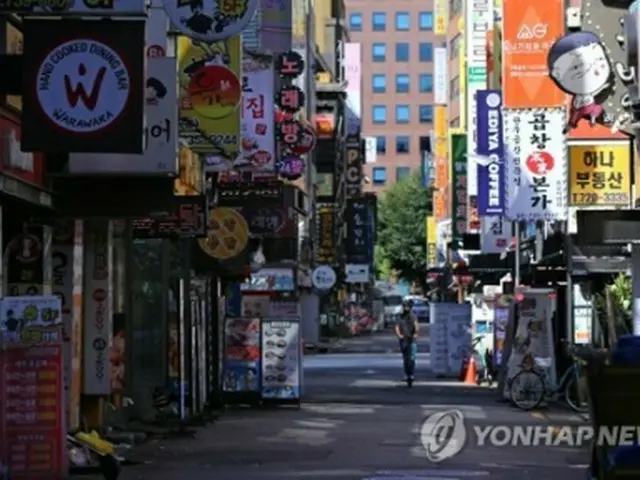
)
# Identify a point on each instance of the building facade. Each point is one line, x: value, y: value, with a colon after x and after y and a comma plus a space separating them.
x: 397, y: 41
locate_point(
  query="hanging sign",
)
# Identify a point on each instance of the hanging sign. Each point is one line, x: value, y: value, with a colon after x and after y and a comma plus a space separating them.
x: 290, y: 98
x: 324, y: 278
x: 291, y: 167
x: 354, y: 172
x: 290, y: 64
x: 307, y: 142
x: 210, y: 20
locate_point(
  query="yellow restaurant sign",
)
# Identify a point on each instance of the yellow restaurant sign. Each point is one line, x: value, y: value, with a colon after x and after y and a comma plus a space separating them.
x: 600, y: 175
x: 430, y: 226
x: 441, y: 13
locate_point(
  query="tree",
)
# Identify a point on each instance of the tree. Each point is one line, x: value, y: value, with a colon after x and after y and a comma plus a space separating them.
x: 402, y: 211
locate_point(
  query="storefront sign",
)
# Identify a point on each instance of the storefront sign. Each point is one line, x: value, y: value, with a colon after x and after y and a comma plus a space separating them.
x: 187, y: 218
x: 441, y: 17
x: 459, y: 196
x: 13, y: 46
x: 353, y: 174
x: 358, y: 233
x: 232, y: 194
x: 281, y: 358
x: 536, y: 165
x: 268, y: 221
x: 210, y: 20
x: 600, y: 174
x: 355, y: 273
x: 68, y: 8
x: 65, y: 111
x: 290, y: 64
x: 290, y: 167
x: 325, y: 253
x: 271, y: 280
x: 325, y: 124
x: 289, y: 133
x: 490, y: 149
x: 495, y: 236
x: 22, y: 165
x: 352, y: 64
x: 324, y: 185
x: 290, y: 98
x: 160, y: 132
x: 323, y: 278
x: 431, y: 238
x: 308, y: 141
x: 190, y: 180
x: 228, y: 234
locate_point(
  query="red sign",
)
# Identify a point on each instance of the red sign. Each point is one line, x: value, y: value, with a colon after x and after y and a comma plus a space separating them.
x: 13, y: 161
x: 32, y: 442
x: 325, y: 124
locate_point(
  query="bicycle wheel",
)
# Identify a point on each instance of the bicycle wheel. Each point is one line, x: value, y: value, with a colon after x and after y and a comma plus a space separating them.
x: 573, y: 396
x: 527, y: 389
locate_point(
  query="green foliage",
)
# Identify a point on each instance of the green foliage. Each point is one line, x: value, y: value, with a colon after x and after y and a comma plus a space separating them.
x: 621, y: 296
x: 402, y: 211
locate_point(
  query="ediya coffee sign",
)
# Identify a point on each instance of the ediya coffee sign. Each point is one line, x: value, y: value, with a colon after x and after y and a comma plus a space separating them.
x: 83, y: 86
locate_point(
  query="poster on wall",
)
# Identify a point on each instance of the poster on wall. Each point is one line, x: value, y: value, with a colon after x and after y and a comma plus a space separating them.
x: 281, y: 359
x: 83, y: 86
x: 241, y: 355
x: 24, y: 265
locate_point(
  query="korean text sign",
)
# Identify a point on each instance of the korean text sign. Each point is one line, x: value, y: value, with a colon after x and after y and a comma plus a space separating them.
x: 600, y: 174
x: 459, y: 197
x: 530, y: 28
x: 440, y: 128
x: 536, y: 164
x: 490, y: 150
x: 431, y: 238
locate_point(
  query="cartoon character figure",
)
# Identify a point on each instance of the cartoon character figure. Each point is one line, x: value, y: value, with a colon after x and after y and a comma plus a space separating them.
x: 579, y: 65
x: 201, y: 23
x: 155, y: 91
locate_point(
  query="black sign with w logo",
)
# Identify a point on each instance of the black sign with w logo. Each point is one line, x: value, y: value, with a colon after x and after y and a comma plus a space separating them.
x: 83, y: 86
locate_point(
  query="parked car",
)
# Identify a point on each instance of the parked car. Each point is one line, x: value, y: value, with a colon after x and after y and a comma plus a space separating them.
x: 420, y: 309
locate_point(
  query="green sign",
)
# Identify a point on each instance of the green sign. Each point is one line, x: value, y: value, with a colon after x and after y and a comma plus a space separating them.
x: 459, y: 184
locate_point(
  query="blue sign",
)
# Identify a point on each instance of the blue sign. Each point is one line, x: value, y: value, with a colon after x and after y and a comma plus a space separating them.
x: 428, y: 170
x: 490, y: 150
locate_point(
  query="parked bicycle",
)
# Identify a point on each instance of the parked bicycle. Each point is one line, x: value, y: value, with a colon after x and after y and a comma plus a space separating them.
x: 529, y: 387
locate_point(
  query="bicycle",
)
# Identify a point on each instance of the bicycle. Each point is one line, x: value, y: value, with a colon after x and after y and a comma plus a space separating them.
x: 536, y: 385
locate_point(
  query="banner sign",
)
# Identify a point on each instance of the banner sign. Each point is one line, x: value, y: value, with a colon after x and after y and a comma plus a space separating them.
x: 325, y: 253
x: 441, y: 134
x: 71, y: 8
x: 187, y: 218
x: 495, y: 236
x: 432, y: 238
x: 490, y: 150
x: 242, y: 194
x: 459, y: 182
x: 83, y: 86
x: 536, y: 164
x: 358, y: 240
x: 600, y: 174
x: 440, y: 80
x: 441, y: 17
x: 353, y: 76
x: 353, y: 174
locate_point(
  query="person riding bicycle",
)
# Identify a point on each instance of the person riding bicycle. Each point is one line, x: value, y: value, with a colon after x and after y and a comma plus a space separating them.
x: 407, y: 330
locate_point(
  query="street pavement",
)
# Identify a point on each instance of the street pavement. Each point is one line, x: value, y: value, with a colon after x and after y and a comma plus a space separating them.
x: 358, y: 421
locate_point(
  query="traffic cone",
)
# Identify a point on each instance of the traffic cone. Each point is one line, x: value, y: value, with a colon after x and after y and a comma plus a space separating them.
x: 470, y: 377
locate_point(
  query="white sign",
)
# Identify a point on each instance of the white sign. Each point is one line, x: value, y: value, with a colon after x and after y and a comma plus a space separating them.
x: 449, y: 336
x: 324, y: 277
x: 370, y: 150
x: 478, y: 19
x: 97, y: 323
x: 210, y: 20
x: 496, y: 234
x: 83, y: 86
x: 257, y: 125
x: 536, y: 165
x: 440, y: 76
x: 161, y: 131
x: 84, y: 8
x: 12, y: 154
x: 356, y: 273
x: 18, y: 313
x: 281, y: 358
x: 353, y: 77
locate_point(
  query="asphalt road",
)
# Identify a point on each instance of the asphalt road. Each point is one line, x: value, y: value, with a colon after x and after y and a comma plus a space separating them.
x: 360, y: 422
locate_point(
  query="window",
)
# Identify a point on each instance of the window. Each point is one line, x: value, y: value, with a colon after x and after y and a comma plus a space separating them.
x: 402, y: 144
x: 402, y: 52
x: 426, y: 82
x: 355, y: 22
x: 426, y: 113
x: 379, y: 21
x: 402, y: 114
x: 379, y: 175
x: 425, y: 21
x: 379, y: 83
x: 402, y: 21
x: 379, y: 114
x: 454, y: 46
x: 381, y: 145
x: 426, y: 52
x: 402, y: 173
x: 454, y: 88
x: 379, y: 52
x: 402, y: 83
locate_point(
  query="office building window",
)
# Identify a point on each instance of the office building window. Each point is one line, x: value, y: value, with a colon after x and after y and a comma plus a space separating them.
x: 402, y: 173
x: 403, y: 114
x: 402, y: 52
x: 426, y: 83
x: 454, y: 88
x: 425, y: 21
x: 355, y: 22
x: 454, y: 46
x: 379, y: 21
x: 426, y: 113
x: 379, y: 52
x: 379, y: 114
x: 381, y: 144
x: 402, y: 144
x: 426, y: 52
x: 379, y: 83
x: 379, y: 175
x: 402, y: 21
x: 402, y: 83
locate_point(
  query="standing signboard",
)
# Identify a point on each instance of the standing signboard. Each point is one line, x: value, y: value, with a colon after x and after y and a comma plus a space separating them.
x: 241, y: 355
x: 281, y: 360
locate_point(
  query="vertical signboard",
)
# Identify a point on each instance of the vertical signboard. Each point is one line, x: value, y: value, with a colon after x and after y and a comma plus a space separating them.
x: 459, y: 185
x: 353, y: 76
x: 440, y: 149
x: 495, y: 235
x: 536, y: 166
x: 431, y: 234
x: 353, y: 171
x: 358, y: 238
x: 441, y: 17
x: 325, y: 253
x: 530, y: 28
x: 440, y: 77
x: 478, y: 19
x: 490, y: 150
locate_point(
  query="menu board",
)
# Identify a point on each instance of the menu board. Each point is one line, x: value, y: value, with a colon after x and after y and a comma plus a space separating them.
x: 187, y: 217
x: 281, y: 358
x: 241, y: 360
x: 32, y: 420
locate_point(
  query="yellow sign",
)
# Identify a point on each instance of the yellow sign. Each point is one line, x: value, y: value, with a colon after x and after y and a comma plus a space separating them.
x: 600, y: 175
x: 440, y: 128
x: 323, y: 77
x: 210, y: 93
x: 431, y: 241
x: 228, y: 236
x: 189, y: 181
x: 440, y: 120
x: 441, y: 14
x: 13, y: 46
x: 439, y: 205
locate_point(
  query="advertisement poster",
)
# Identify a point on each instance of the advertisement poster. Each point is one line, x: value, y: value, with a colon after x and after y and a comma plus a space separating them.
x: 450, y: 336
x: 281, y: 358
x: 254, y: 306
x: 32, y: 422
x: 500, y: 323
x: 241, y: 358
x: 23, y: 256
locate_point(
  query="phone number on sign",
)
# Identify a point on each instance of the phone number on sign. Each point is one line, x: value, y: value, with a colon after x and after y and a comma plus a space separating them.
x: 600, y: 199
x: 17, y: 5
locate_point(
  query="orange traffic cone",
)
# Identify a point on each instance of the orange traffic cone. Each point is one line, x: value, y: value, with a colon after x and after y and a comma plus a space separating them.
x: 470, y: 377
